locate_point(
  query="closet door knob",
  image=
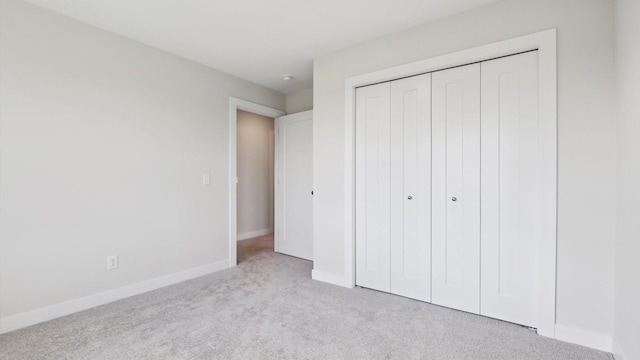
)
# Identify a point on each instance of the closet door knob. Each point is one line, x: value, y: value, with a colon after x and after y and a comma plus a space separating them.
x: 409, y: 197
x: 454, y: 199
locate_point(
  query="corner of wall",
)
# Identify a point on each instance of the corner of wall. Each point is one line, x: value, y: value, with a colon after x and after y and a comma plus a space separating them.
x: 584, y: 337
x: 299, y: 101
x: 617, y: 350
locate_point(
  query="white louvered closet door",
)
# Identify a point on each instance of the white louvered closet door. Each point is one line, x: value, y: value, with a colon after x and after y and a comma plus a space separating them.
x: 373, y: 187
x: 510, y: 188
x: 411, y: 187
x: 456, y: 188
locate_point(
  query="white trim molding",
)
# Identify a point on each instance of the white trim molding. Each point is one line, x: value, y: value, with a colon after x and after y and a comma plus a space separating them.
x: 331, y: 278
x: 33, y: 317
x: 236, y: 104
x: 252, y: 234
x: 618, y: 351
x: 545, y: 43
x: 584, y: 337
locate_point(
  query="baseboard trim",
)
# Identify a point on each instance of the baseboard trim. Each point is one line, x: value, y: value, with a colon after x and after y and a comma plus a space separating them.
x: 584, y: 337
x: 330, y: 278
x: 33, y: 317
x: 252, y: 234
x: 618, y: 351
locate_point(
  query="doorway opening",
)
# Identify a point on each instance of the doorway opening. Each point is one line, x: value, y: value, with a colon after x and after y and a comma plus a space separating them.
x: 255, y: 184
x: 284, y: 207
x: 234, y: 106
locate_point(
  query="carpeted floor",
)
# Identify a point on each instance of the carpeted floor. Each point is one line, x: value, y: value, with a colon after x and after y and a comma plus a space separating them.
x: 269, y: 308
x: 250, y: 248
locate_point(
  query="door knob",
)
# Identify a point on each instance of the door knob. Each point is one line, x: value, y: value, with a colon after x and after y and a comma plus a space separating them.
x: 409, y: 197
x: 454, y: 199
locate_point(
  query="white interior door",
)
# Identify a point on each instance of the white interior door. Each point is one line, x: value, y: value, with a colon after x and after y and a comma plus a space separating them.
x: 456, y: 188
x: 294, y: 203
x: 510, y: 188
x: 411, y: 187
x: 373, y: 187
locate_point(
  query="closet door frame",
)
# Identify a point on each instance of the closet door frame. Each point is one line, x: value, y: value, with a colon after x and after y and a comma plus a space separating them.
x: 545, y: 43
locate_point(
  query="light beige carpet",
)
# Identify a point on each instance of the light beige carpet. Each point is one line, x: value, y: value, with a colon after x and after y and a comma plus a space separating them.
x: 269, y: 308
x: 250, y: 248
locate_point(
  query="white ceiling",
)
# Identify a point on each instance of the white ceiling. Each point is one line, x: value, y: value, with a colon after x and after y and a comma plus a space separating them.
x: 258, y: 40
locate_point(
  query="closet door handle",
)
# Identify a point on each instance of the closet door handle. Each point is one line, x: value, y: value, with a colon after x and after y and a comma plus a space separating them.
x: 454, y: 199
x: 409, y: 197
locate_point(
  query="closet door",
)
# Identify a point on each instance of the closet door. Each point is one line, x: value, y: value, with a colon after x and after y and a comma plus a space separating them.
x: 373, y: 187
x: 510, y: 185
x: 456, y: 188
x: 411, y: 187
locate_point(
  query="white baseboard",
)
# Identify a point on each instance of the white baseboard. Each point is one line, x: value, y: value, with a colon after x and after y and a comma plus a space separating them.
x: 618, y: 351
x: 252, y: 234
x: 584, y: 337
x: 33, y: 317
x: 330, y: 278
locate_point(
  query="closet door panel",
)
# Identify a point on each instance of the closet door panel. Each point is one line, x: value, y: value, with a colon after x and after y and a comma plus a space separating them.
x: 456, y: 188
x: 294, y: 134
x: 411, y: 187
x: 510, y: 185
x: 373, y: 187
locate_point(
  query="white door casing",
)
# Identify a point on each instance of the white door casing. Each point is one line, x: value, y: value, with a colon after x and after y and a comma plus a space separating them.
x: 456, y: 188
x: 236, y: 104
x: 294, y: 203
x: 510, y: 181
x: 411, y: 187
x: 373, y: 187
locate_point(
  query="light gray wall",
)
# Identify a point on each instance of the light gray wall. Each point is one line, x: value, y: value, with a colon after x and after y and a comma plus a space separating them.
x: 627, y: 269
x: 255, y: 174
x: 586, y: 128
x: 103, y: 145
x: 299, y: 101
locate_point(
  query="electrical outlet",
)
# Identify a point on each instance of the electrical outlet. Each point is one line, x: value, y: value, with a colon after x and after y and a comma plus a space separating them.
x: 112, y: 262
